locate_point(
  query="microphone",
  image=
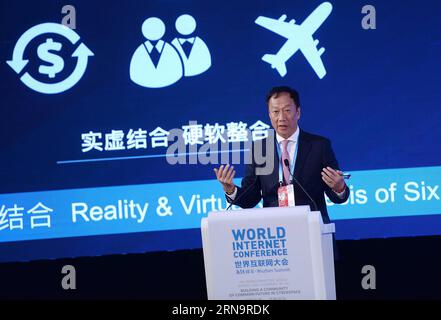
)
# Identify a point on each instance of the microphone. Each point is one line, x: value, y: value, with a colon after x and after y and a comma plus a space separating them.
x: 346, y: 176
x: 286, y: 162
x: 242, y: 194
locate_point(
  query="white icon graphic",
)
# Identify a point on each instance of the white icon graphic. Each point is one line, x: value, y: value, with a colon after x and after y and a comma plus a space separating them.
x: 299, y: 37
x: 55, y: 63
x: 197, y: 58
x: 158, y: 64
x: 155, y: 63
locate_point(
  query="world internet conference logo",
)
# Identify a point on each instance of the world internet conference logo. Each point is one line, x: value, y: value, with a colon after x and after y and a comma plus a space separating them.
x: 51, y: 61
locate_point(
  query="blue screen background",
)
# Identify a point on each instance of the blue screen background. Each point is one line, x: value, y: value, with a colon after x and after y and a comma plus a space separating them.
x: 378, y: 103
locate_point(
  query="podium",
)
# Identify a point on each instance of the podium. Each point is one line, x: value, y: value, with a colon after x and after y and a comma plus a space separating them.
x: 268, y: 253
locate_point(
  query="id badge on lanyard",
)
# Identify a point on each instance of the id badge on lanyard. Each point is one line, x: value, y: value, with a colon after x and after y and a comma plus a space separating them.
x: 286, y: 196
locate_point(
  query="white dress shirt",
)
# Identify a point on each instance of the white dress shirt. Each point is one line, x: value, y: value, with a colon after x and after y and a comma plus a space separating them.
x: 292, y: 144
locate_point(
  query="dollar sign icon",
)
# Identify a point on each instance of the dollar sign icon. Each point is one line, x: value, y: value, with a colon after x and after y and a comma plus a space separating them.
x: 57, y: 63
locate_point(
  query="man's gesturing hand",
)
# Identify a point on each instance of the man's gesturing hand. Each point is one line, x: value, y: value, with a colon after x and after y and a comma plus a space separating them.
x: 225, y: 175
x: 334, y: 179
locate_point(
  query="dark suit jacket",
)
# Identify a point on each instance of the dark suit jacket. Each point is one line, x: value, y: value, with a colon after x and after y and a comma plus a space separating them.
x: 314, y: 153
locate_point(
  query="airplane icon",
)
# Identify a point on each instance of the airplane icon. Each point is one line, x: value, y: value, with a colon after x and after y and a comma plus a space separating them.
x: 299, y: 37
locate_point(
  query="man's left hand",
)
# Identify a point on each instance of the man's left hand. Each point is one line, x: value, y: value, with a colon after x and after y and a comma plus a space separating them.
x: 334, y: 179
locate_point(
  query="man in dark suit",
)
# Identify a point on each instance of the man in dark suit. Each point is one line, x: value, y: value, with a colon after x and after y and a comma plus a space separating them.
x: 310, y: 158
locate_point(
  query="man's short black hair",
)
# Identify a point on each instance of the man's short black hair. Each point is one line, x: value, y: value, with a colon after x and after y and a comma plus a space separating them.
x: 274, y: 92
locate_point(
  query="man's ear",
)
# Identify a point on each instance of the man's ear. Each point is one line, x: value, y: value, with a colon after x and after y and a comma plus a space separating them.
x: 298, y: 113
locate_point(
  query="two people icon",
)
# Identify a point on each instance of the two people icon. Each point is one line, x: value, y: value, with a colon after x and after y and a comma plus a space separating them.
x: 157, y: 63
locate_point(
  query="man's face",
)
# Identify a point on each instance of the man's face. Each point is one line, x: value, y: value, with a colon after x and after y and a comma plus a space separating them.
x: 284, y: 114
